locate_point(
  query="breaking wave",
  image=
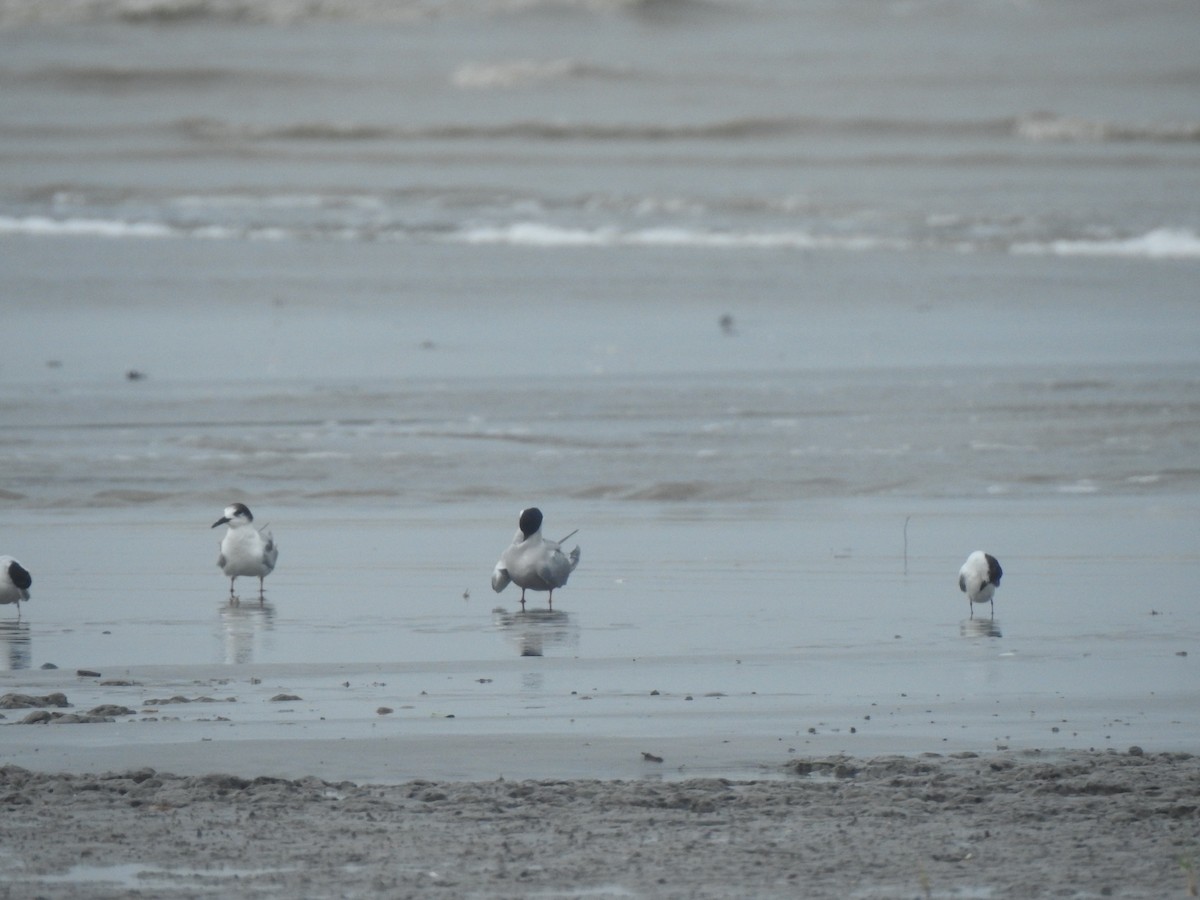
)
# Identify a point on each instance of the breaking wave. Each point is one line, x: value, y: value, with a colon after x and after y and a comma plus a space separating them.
x: 44, y: 226
x: 536, y: 234
x: 520, y: 234
x: 1157, y: 244
x: 1161, y: 243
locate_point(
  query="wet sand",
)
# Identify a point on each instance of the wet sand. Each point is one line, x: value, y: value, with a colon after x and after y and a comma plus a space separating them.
x: 1021, y: 824
x: 406, y: 736
x: 492, y: 778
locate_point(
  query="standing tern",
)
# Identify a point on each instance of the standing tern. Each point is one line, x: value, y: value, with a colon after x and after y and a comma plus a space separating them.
x: 978, y: 579
x: 245, y: 549
x: 14, y: 582
x: 532, y: 562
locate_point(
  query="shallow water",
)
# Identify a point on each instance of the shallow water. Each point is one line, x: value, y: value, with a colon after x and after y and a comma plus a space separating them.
x: 823, y: 578
x: 726, y: 627
x: 785, y: 326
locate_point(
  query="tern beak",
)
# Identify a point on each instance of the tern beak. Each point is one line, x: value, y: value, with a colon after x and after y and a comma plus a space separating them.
x: 221, y: 521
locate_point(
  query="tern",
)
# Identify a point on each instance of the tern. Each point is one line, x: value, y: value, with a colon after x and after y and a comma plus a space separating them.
x: 245, y: 549
x: 978, y: 579
x: 14, y: 582
x: 532, y: 562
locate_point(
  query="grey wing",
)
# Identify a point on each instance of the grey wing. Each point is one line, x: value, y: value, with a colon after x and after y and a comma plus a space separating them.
x: 962, y: 582
x: 270, y: 551
x: 556, y: 568
x: 500, y: 577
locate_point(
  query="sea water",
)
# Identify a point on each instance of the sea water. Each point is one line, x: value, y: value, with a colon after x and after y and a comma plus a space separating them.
x: 786, y: 306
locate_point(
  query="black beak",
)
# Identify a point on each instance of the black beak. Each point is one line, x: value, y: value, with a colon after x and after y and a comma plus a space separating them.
x: 220, y: 521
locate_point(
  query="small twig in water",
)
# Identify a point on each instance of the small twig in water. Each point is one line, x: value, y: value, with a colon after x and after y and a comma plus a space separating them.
x: 906, y: 520
x: 1189, y: 869
x: 926, y: 887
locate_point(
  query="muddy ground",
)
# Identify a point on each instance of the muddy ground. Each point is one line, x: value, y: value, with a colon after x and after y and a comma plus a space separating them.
x: 1027, y: 824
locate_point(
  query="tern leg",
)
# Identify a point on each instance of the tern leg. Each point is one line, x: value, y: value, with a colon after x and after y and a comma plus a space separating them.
x: 522, y: 599
x: 551, y: 598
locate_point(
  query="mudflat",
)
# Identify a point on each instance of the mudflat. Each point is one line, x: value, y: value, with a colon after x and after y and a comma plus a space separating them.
x: 1017, y: 824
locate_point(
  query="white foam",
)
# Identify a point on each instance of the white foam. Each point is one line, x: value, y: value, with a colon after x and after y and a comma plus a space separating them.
x: 535, y: 234
x: 215, y: 233
x: 1160, y: 243
x: 532, y: 234
x: 43, y: 226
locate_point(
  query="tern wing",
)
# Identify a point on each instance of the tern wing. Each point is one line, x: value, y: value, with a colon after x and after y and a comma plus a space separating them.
x: 270, y: 551
x: 994, y: 570
x: 500, y: 577
x: 556, y: 568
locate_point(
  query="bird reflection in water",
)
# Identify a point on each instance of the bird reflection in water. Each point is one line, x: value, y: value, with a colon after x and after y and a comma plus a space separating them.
x: 244, y: 629
x: 14, y: 636
x: 536, y: 631
x: 980, y: 628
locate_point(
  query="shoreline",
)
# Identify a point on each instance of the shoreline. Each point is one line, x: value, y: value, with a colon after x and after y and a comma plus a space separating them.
x: 566, y: 718
x: 1015, y: 824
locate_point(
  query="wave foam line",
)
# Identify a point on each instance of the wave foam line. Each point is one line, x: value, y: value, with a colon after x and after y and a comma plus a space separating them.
x: 532, y: 234
x: 1161, y: 243
x: 117, y: 229
x: 43, y: 226
x: 1157, y: 244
